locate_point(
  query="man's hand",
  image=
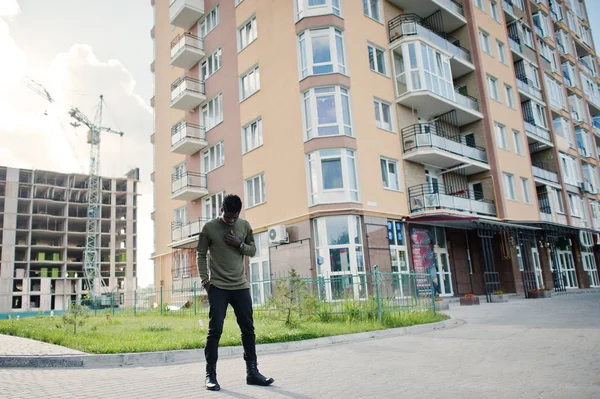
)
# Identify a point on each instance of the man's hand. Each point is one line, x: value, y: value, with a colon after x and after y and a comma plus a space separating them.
x: 206, y: 284
x: 232, y: 239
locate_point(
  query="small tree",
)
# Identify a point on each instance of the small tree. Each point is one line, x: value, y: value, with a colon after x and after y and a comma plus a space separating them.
x: 291, y: 296
x: 75, y: 316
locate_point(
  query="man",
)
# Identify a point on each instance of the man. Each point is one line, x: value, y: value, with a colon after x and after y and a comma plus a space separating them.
x: 228, y: 239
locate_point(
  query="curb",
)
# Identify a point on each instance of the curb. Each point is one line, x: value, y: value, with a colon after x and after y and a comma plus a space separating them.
x: 145, y: 359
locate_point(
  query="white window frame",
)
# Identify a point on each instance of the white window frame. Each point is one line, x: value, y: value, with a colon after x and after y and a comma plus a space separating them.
x: 341, y: 96
x: 250, y: 190
x: 480, y: 4
x: 509, y: 186
x: 493, y: 87
x: 559, y: 200
x: 212, y: 112
x: 247, y: 33
x: 501, y: 139
x: 502, y: 55
x: 211, y: 64
x: 180, y: 215
x: 373, y: 59
x: 212, y: 202
x: 510, y: 96
x: 379, y: 106
x: 259, y: 275
x: 213, y: 157
x: 385, y: 174
x: 303, y: 8
x: 249, y: 83
x: 517, y: 139
x: 209, y: 22
x: 495, y: 11
x: 368, y: 9
x: 484, y: 39
x: 349, y: 190
x: 337, y: 52
x: 252, y: 135
x: 526, y: 190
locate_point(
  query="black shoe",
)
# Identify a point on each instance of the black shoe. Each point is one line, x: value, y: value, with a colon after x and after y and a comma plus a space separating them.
x: 254, y: 377
x: 211, y: 378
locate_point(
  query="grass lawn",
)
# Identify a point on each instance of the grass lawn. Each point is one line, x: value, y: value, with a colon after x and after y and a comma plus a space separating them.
x: 152, y: 332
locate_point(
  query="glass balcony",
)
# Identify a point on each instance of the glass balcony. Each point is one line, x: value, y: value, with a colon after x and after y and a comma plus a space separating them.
x: 185, y: 13
x: 185, y: 234
x: 537, y: 131
x: 432, y: 197
x: 186, y: 50
x: 187, y: 138
x: 526, y: 87
x: 429, y: 144
x: 188, y: 186
x: 187, y: 94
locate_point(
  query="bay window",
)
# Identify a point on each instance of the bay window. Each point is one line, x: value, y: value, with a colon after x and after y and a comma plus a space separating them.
x: 312, y: 8
x: 332, y: 176
x: 340, y: 258
x: 321, y: 52
x: 326, y: 112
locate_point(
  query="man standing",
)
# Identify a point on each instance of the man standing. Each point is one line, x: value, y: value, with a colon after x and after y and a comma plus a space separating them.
x: 228, y: 239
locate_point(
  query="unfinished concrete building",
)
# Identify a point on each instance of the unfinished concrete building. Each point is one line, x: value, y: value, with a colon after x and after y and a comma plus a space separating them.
x: 43, y: 235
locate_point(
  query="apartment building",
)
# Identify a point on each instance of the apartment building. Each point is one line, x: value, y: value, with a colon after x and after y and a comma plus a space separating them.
x: 360, y: 132
x: 43, y: 234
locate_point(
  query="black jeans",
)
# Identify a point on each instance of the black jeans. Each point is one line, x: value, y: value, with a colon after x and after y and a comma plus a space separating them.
x: 241, y: 302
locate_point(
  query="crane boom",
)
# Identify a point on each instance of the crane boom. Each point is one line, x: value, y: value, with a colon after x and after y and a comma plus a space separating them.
x: 91, y: 263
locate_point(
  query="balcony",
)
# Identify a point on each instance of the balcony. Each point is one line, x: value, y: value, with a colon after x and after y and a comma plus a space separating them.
x: 185, y: 234
x: 430, y: 104
x: 542, y: 171
x: 428, y: 144
x: 410, y: 26
x: 187, y: 94
x: 545, y: 207
x: 538, y: 132
x: 451, y: 12
x: 428, y: 197
x: 528, y: 89
x: 596, y: 123
x: 187, y: 138
x: 509, y: 8
x: 186, y: 50
x: 185, y: 13
x: 188, y: 186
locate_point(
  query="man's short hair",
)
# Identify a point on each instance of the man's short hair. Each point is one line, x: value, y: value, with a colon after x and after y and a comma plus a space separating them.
x: 232, y: 203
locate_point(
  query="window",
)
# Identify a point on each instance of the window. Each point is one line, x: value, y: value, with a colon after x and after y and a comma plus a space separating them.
x: 252, y: 135
x: 526, y: 193
x: 212, y: 112
x: 510, y: 100
x: 311, y: 8
x: 255, y: 191
x: 485, y: 42
x: 332, y: 176
x: 575, y: 205
x: 371, y: 9
x: 383, y: 115
x: 210, y: 65
x: 179, y: 171
x: 501, y: 136
x: 260, y: 271
x: 247, y: 34
x: 494, y: 11
x: 555, y: 93
x: 212, y: 205
x: 570, y: 169
x: 509, y: 186
x: 559, y: 200
x: 493, y: 87
x: 377, y: 59
x: 518, y: 143
x: 389, y: 174
x: 426, y: 69
x: 327, y: 112
x: 321, y: 51
x: 528, y: 37
x: 340, y: 258
x: 479, y: 4
x: 180, y: 215
x: 213, y: 157
x: 211, y: 20
x: 501, y: 51
x: 249, y: 83
x: 520, y: 258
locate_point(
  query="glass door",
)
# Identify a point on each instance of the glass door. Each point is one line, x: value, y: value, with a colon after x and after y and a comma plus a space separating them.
x: 442, y: 263
x: 537, y: 267
x: 567, y: 267
x: 589, y: 265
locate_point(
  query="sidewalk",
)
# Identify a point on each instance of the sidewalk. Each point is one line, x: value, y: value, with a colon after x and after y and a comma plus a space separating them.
x: 16, y: 346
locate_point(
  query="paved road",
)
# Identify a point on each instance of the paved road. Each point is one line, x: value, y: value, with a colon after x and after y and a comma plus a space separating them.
x: 544, y: 348
x: 16, y: 346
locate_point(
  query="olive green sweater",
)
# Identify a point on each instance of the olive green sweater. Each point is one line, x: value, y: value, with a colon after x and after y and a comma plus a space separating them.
x: 226, y: 268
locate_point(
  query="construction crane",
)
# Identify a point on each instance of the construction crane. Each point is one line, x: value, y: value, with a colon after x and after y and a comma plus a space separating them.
x: 91, y: 264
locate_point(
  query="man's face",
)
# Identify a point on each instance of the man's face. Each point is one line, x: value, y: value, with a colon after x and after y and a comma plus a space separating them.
x: 229, y: 217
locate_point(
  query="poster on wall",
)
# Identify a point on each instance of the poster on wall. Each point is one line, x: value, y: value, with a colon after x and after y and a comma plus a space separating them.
x: 422, y: 254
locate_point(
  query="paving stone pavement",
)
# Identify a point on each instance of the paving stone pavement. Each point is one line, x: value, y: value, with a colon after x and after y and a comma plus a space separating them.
x: 17, y: 346
x: 542, y: 348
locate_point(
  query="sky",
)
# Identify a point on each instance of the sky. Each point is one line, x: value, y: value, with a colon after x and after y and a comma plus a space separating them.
x: 79, y: 50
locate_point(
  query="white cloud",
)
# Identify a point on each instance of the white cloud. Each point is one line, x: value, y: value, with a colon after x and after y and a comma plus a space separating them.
x: 9, y: 8
x: 38, y: 135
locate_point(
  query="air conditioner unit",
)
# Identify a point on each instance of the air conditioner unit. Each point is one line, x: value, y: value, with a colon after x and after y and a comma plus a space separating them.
x: 278, y: 235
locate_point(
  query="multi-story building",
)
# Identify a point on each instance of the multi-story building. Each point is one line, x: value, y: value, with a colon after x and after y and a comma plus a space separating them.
x: 358, y: 132
x: 43, y: 234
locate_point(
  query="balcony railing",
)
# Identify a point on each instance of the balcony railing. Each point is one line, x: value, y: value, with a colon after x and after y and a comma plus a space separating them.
x: 515, y: 43
x: 542, y: 171
x: 187, y: 180
x: 185, y: 84
x: 186, y: 131
x: 184, y: 230
x: 412, y: 24
x: 186, y: 40
x: 426, y: 135
x: 465, y: 100
x: 526, y: 85
x: 536, y: 130
x: 508, y: 6
x: 427, y: 197
x: 462, y: 99
x: 184, y: 13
